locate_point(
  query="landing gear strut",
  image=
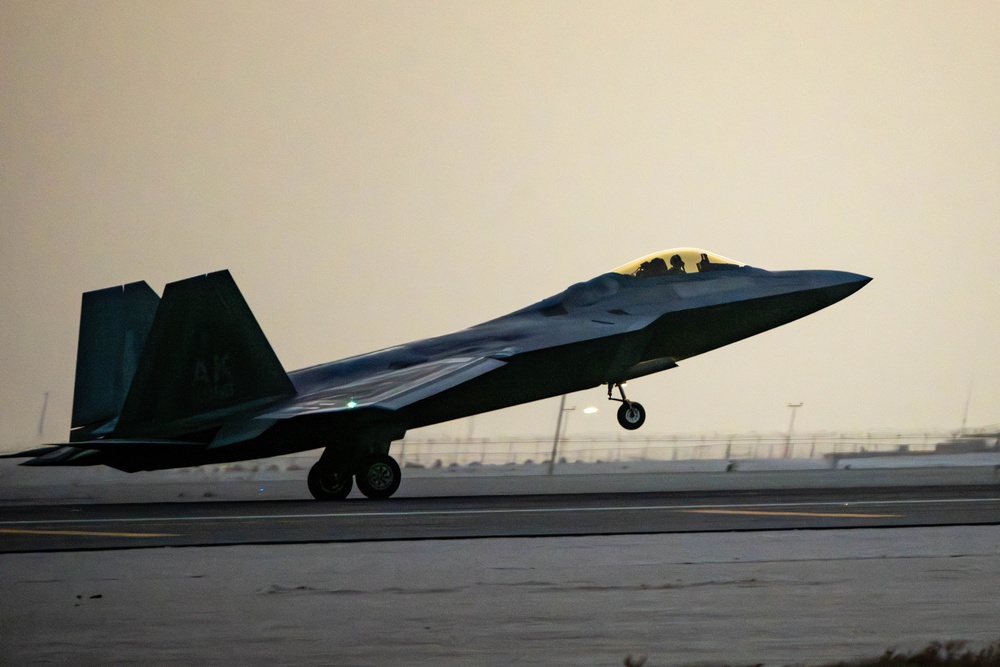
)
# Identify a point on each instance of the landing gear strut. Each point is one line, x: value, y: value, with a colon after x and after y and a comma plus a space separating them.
x: 631, y: 415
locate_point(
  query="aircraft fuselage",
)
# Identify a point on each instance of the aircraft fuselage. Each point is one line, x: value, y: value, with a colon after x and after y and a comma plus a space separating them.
x: 190, y: 378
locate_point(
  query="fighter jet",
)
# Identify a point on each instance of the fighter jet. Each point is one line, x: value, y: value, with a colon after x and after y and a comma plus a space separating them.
x: 190, y: 379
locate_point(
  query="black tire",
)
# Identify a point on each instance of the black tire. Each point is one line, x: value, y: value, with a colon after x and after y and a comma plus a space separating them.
x: 378, y: 476
x: 330, y: 483
x: 631, y: 416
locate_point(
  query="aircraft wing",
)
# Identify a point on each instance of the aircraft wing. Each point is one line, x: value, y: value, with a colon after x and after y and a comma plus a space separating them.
x: 388, y: 390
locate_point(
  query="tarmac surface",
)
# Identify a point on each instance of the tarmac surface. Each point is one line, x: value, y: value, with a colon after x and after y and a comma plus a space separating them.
x: 777, y: 598
x: 126, y: 526
x: 284, y: 478
x: 756, y: 567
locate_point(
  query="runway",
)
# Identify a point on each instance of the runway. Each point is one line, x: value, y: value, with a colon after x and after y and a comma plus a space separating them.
x: 28, y: 528
x: 723, y: 576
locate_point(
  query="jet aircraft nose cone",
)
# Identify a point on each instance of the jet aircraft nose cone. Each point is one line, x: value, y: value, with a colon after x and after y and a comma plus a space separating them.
x: 847, y: 278
x: 837, y: 285
x: 855, y: 278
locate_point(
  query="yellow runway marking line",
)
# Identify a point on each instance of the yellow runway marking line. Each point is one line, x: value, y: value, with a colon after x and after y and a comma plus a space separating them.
x: 831, y: 515
x: 24, y: 531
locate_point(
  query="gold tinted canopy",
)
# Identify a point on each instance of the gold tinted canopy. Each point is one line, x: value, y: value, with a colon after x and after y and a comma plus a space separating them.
x: 677, y: 261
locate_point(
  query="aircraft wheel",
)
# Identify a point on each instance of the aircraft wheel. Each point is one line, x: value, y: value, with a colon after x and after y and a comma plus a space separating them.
x: 378, y: 476
x: 631, y: 416
x: 330, y: 483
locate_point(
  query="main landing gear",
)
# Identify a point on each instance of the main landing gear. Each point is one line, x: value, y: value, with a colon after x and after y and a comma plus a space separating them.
x: 330, y: 482
x: 631, y: 415
x: 377, y: 476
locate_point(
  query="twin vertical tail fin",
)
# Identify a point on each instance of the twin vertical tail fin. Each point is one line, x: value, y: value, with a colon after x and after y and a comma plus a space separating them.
x: 114, y: 326
x: 203, y: 360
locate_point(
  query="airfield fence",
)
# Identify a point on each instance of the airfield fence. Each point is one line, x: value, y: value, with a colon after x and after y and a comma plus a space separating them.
x: 433, y: 452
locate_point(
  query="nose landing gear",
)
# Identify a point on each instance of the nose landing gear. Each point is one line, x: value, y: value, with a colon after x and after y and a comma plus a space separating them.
x: 631, y: 415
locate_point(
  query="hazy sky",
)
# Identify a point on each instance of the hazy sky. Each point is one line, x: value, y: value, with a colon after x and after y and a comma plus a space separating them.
x: 374, y: 173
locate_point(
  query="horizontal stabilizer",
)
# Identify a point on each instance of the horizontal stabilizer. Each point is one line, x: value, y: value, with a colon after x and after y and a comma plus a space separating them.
x: 37, y: 451
x: 67, y: 456
x: 128, y: 455
x: 125, y: 443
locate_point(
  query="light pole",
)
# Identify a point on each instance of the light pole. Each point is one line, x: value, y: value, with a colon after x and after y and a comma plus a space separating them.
x: 561, y: 426
x: 791, y: 425
x: 559, y: 422
x: 45, y: 405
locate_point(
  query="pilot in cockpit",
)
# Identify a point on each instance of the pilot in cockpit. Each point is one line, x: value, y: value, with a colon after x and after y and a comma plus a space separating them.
x: 657, y: 267
x: 676, y: 265
x: 652, y: 268
x: 677, y: 261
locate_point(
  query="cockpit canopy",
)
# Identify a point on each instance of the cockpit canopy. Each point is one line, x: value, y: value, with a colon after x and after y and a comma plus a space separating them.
x: 677, y: 261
